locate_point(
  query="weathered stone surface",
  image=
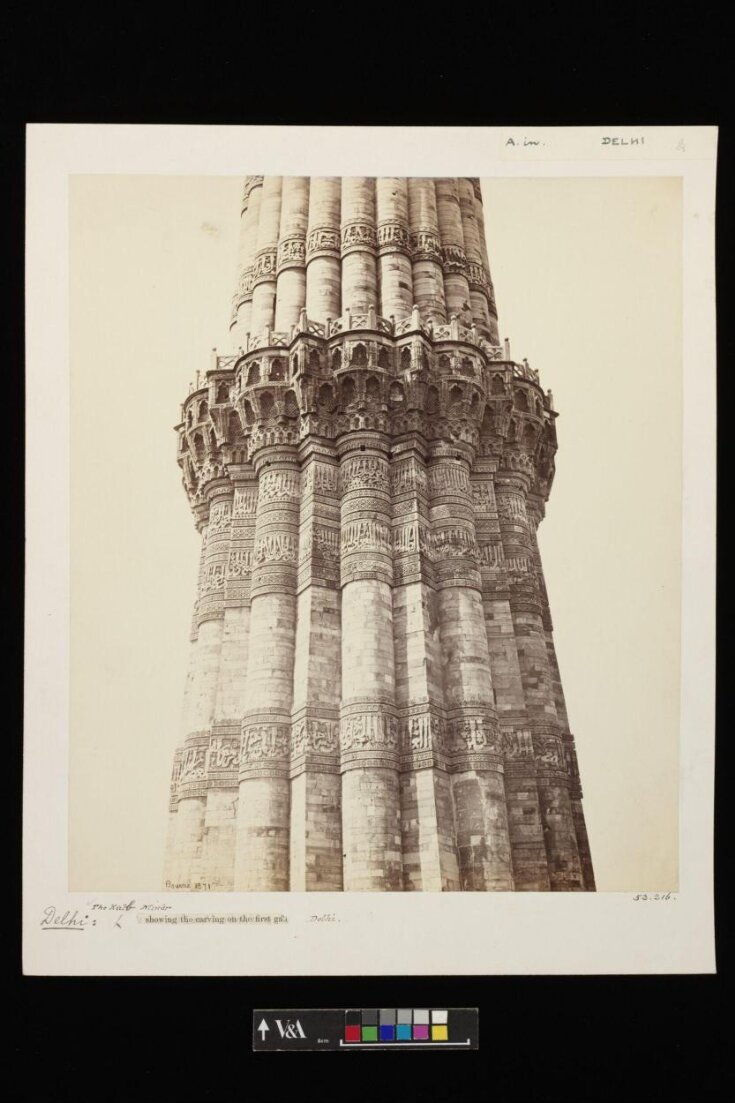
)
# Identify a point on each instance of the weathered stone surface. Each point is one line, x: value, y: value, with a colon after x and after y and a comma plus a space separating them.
x: 373, y: 700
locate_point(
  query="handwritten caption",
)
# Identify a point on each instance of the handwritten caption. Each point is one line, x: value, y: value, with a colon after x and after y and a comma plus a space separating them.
x: 118, y: 915
x: 121, y: 915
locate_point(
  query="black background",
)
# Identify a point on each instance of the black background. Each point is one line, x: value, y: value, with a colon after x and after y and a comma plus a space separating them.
x: 568, y: 1038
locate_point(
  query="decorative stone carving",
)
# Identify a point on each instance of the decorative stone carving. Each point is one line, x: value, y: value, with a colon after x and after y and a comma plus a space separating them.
x: 369, y: 733
x: 245, y: 502
x: 454, y: 260
x: 264, y: 741
x: 491, y: 555
x: 193, y: 764
x: 220, y: 519
x: 214, y: 579
x: 518, y: 566
x: 322, y: 542
x: 422, y: 733
x: 425, y: 245
x: 448, y: 479
x: 549, y: 752
x: 317, y: 736
x: 224, y: 753
x: 364, y: 473
x: 453, y: 543
x: 516, y: 744
x: 358, y: 235
x: 319, y: 478
x: 323, y: 241
x: 326, y: 542
x: 512, y: 508
x: 408, y: 476
x: 265, y: 267
x: 393, y: 237
x: 251, y: 182
x: 244, y: 284
x: 473, y: 733
x: 275, y: 547
x: 279, y: 486
x: 291, y: 253
x: 477, y: 278
x: 239, y: 563
x: 365, y: 535
x: 411, y: 538
x: 483, y: 497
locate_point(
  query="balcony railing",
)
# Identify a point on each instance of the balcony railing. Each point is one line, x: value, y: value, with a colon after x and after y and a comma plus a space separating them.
x: 369, y: 321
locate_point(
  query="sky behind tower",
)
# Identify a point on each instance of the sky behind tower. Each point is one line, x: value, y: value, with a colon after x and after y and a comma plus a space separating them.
x: 587, y: 276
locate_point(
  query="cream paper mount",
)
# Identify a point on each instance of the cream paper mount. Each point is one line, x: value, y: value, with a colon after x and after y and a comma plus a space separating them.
x: 600, y: 245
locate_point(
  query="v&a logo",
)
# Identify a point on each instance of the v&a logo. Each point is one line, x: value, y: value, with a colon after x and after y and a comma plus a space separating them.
x: 290, y: 1028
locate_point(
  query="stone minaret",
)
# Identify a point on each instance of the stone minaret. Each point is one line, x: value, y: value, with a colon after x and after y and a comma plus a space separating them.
x: 373, y: 699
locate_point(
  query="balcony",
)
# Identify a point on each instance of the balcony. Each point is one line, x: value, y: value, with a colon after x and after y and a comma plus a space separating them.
x: 370, y: 322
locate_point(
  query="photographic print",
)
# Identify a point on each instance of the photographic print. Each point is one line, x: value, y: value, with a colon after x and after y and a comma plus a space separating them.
x: 373, y: 699
x: 375, y: 522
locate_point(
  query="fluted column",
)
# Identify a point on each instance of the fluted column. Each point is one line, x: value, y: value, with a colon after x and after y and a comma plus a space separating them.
x: 473, y: 253
x: 316, y: 823
x: 237, y: 522
x: 371, y: 817
x: 395, y: 275
x: 427, y: 814
x: 358, y: 244
x: 487, y: 278
x: 454, y: 260
x: 262, y: 858
x: 483, y: 845
x: 182, y: 846
x: 266, y: 255
x: 192, y: 783
x: 428, y: 278
x: 530, y: 867
x: 249, y: 219
x: 291, y: 286
x: 170, y: 861
x: 553, y: 785
x: 323, y: 266
x: 536, y: 513
x: 222, y: 749
x: 570, y: 754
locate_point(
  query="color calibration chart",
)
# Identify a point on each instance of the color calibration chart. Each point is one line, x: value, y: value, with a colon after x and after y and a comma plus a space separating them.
x: 411, y: 1024
x: 413, y: 1028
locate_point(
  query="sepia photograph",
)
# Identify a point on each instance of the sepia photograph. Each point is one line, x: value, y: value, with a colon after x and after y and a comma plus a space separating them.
x: 373, y: 698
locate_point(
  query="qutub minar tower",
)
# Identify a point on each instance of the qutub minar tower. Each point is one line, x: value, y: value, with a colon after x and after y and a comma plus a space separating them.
x: 373, y: 700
